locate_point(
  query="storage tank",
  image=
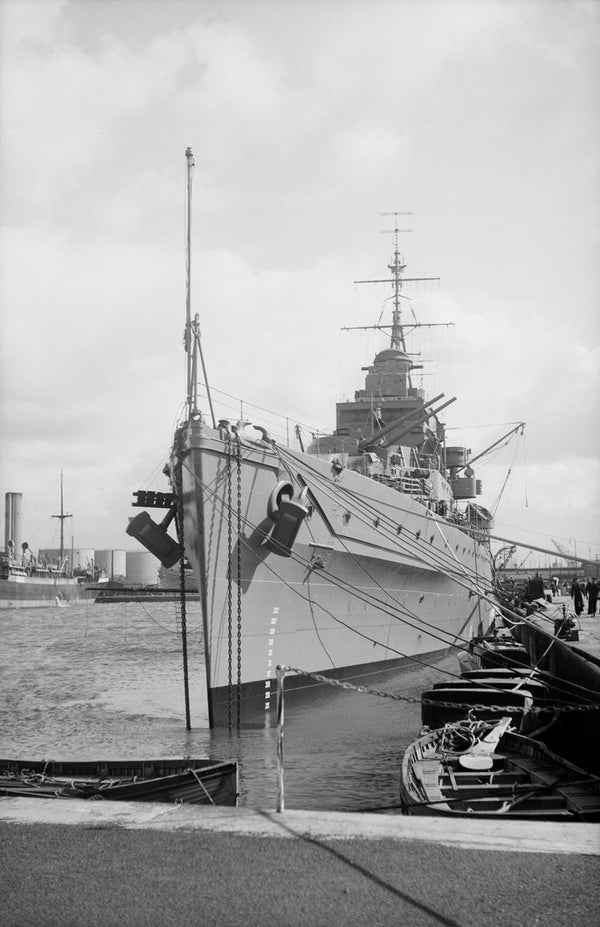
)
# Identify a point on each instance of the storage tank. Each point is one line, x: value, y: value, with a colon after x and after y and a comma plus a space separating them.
x: 111, y: 562
x: 142, y: 568
x: 81, y: 560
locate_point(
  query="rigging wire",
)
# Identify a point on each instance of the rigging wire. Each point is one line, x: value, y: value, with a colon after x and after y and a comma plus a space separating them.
x: 413, y: 658
x: 367, y: 598
x: 437, y: 559
x: 393, y: 611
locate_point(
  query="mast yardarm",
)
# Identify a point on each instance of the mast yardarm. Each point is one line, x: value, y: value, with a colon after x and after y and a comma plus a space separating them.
x: 397, y: 268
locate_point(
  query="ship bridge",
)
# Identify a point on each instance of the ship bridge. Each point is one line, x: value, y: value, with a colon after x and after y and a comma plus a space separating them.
x: 386, y: 397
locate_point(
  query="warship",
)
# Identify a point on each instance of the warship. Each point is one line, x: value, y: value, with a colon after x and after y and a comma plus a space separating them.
x: 344, y: 558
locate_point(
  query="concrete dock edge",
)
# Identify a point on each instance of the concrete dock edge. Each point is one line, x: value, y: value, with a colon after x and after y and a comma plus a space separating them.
x: 515, y: 836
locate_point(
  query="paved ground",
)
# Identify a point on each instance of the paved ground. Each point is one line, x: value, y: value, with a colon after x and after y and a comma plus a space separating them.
x: 75, y: 864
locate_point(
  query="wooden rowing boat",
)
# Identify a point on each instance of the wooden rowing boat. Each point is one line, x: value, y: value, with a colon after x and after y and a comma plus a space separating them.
x: 480, y: 769
x: 444, y: 704
x: 189, y: 780
x: 488, y: 651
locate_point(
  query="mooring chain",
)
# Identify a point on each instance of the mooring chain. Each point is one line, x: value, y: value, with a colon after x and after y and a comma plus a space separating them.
x: 405, y: 698
x: 239, y: 579
x: 509, y: 708
x: 178, y: 480
x: 229, y: 590
x: 348, y: 685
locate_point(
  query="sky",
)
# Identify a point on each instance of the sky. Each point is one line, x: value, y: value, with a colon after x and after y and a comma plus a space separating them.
x: 308, y: 120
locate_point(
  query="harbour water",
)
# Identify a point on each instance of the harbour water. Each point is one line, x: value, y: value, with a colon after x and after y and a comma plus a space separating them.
x: 92, y: 681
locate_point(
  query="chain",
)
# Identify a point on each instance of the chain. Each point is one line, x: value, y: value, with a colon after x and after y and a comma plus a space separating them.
x: 509, y: 708
x: 178, y: 487
x: 239, y: 581
x: 229, y: 598
x: 405, y: 698
x: 348, y: 685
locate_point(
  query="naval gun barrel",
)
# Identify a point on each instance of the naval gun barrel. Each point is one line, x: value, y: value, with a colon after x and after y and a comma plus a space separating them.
x: 421, y: 414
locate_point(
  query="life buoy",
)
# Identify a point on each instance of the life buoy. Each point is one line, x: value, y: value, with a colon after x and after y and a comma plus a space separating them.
x: 283, y: 488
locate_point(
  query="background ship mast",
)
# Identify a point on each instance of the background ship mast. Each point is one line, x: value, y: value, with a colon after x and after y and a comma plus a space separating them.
x: 62, y: 517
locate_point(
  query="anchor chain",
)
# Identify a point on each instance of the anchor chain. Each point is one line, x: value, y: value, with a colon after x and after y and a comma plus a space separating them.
x: 178, y: 487
x: 328, y: 681
x: 239, y: 580
x: 229, y: 592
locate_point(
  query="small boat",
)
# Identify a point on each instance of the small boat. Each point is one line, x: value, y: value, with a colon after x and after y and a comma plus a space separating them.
x: 499, y: 649
x: 479, y: 769
x: 189, y: 780
x: 486, y: 699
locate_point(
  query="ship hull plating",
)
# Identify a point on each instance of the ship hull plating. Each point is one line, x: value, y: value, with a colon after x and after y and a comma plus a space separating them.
x: 373, y: 577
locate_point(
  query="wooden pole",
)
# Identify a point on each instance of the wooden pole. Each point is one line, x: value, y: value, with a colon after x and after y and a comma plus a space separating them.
x: 280, y: 688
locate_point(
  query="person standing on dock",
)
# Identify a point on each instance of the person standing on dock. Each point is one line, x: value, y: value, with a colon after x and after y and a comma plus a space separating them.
x: 577, y: 596
x: 592, y: 594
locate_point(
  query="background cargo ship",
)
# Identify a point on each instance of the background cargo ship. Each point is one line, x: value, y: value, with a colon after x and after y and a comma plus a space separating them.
x: 25, y: 580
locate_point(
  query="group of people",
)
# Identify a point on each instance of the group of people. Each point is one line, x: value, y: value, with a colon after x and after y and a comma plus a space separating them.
x: 581, y: 591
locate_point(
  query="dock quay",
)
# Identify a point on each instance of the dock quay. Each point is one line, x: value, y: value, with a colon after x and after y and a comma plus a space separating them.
x: 73, y: 863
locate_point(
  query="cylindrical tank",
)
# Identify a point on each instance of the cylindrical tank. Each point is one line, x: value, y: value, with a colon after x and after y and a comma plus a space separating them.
x: 457, y: 456
x: 142, y: 568
x: 169, y: 577
x: 13, y: 503
x: 111, y: 562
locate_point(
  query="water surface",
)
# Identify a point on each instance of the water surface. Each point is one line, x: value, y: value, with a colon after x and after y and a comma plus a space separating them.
x: 92, y: 681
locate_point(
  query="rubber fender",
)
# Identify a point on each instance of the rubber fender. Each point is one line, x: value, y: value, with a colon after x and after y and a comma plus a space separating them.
x: 283, y: 488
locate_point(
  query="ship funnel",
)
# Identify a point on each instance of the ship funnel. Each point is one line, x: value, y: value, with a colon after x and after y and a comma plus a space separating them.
x: 12, y: 522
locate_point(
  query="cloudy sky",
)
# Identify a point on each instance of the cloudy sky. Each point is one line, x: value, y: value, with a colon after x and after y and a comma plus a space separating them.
x: 307, y: 120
